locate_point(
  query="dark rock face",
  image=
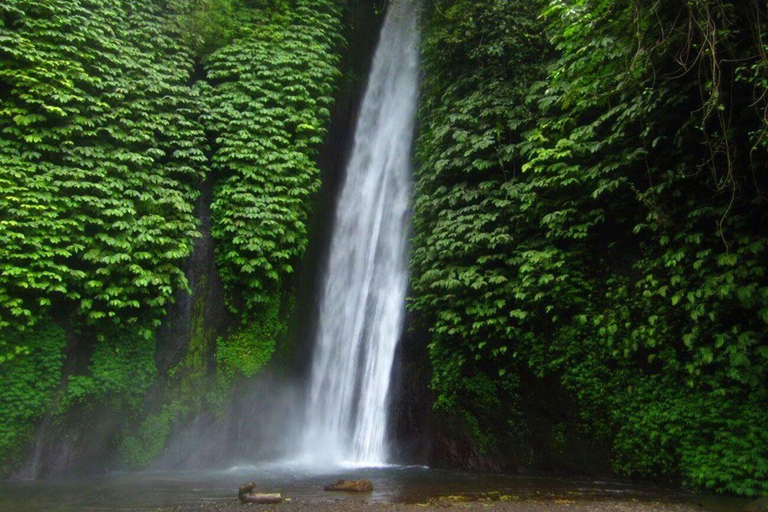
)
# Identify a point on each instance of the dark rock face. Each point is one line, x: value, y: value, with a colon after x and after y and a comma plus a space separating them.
x: 72, y: 446
x: 459, y: 450
x: 253, y: 427
x: 545, y: 437
x: 201, y: 315
x: 411, y: 399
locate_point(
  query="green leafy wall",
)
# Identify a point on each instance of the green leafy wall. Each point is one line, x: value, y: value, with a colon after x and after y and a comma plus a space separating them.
x: 591, y: 207
x: 101, y: 153
x: 268, y: 109
x: 113, y: 115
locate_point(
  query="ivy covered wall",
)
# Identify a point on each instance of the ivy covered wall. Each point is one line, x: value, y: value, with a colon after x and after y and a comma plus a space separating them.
x: 589, y: 222
x: 114, y: 115
x: 591, y: 209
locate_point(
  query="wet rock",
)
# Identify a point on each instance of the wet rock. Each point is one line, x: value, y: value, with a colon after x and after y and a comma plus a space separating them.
x: 351, y: 486
x: 760, y: 505
x: 246, y: 495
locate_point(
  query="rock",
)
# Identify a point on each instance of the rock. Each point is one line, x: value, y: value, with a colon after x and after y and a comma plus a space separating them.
x: 246, y: 489
x: 760, y: 505
x: 246, y: 495
x: 351, y: 486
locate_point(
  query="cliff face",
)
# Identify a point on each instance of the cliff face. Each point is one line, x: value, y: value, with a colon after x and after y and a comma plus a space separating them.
x: 130, y: 359
x: 588, y: 279
x: 589, y: 264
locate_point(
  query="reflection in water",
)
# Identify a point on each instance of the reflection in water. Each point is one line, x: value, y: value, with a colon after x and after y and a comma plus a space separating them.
x: 150, y: 491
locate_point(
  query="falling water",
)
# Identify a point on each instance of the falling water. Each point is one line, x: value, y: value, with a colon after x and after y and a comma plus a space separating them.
x: 363, y: 297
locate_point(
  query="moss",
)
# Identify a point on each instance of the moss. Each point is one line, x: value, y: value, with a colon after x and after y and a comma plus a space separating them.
x: 121, y: 371
x: 244, y: 352
x: 138, y: 450
x: 195, y: 366
x: 484, y: 437
x: 558, y: 437
x: 27, y: 386
x: 241, y: 354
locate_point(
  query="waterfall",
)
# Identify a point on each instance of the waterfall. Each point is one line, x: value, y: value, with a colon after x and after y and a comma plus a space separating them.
x: 363, y: 296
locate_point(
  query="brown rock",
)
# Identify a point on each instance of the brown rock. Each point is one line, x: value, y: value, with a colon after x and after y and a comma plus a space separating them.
x: 351, y: 486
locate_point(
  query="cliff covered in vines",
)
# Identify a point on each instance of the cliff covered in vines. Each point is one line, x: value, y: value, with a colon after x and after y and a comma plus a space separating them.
x: 114, y: 116
x: 589, y: 220
x: 591, y: 209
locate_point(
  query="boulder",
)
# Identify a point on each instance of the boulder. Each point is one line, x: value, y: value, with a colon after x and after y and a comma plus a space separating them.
x: 351, y: 486
x: 760, y: 505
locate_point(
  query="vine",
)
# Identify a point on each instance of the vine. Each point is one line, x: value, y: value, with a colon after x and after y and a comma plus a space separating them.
x: 269, y: 99
x: 604, y: 225
x: 101, y: 154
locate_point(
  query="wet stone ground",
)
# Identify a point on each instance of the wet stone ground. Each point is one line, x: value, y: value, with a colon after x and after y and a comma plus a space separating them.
x: 406, y: 489
x: 451, y: 503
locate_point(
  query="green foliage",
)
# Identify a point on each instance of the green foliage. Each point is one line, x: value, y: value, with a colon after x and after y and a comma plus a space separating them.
x: 270, y: 68
x: 27, y: 386
x: 268, y: 106
x: 464, y: 281
x: 107, y: 110
x: 121, y: 370
x: 207, y: 25
x: 194, y: 367
x: 605, y: 224
x: 101, y: 153
x: 244, y: 352
x: 144, y: 445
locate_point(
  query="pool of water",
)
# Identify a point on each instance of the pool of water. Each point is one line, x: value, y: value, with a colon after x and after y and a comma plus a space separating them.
x: 411, y: 484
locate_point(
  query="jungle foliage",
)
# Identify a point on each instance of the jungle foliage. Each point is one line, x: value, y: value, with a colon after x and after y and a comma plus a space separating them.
x: 112, y: 116
x: 591, y: 198
x: 591, y: 205
x: 28, y: 387
x: 268, y: 106
x: 101, y: 154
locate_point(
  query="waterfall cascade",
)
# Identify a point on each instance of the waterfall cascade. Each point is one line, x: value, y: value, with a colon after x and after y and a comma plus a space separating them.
x: 363, y: 296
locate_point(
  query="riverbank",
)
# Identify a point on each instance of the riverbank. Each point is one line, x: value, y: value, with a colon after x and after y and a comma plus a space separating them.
x: 396, y: 489
x: 509, y: 505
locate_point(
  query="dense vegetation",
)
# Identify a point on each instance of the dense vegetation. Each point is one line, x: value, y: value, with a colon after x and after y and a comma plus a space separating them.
x: 101, y: 154
x: 590, y: 210
x: 269, y: 103
x: 113, y: 116
x: 591, y: 206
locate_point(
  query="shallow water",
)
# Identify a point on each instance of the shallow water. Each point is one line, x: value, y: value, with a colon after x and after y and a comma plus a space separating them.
x: 149, y: 491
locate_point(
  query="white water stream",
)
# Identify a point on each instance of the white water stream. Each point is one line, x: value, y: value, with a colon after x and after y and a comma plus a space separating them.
x: 363, y: 297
